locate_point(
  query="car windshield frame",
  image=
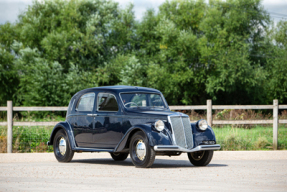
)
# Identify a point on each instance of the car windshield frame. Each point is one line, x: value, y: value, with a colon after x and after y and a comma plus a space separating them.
x: 147, y: 107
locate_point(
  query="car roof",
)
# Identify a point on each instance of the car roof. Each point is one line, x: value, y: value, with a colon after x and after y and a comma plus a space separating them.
x: 120, y: 89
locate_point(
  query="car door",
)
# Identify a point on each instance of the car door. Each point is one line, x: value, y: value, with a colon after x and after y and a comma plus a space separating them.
x: 82, y: 121
x: 108, y: 130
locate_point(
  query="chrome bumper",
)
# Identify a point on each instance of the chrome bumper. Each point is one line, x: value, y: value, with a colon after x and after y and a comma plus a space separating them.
x: 178, y: 148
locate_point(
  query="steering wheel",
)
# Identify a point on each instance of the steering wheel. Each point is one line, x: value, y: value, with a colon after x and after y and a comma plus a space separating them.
x: 131, y: 103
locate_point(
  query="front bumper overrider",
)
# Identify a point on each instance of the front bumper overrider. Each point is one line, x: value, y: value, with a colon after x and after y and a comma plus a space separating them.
x: 178, y: 148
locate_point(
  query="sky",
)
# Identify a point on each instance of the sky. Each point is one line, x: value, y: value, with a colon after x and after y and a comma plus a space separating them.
x: 9, y: 9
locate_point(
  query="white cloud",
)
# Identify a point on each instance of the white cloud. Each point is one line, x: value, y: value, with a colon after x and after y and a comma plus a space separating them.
x: 275, y: 2
x: 140, y: 6
x: 13, y: 1
x: 9, y: 10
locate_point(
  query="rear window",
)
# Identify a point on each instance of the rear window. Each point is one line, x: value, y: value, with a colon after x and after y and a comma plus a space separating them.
x: 86, y: 102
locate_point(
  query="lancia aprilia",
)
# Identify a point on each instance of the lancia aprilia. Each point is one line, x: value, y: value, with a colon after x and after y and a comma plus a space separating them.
x: 135, y: 121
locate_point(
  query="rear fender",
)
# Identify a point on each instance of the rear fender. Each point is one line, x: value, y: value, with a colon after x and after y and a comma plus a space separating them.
x: 67, y: 128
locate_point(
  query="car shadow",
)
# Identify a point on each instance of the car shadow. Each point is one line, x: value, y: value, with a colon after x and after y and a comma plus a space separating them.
x: 159, y: 163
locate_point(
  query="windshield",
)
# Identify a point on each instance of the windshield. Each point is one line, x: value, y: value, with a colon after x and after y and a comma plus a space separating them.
x: 142, y: 100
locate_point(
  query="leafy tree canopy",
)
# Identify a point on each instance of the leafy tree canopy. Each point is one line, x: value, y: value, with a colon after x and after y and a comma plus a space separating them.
x: 228, y: 51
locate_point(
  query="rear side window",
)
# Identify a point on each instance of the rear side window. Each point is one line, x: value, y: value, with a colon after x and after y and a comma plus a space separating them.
x: 86, y: 102
x: 107, y: 102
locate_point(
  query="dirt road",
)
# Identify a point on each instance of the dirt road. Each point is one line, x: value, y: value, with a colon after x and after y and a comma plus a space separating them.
x: 228, y: 171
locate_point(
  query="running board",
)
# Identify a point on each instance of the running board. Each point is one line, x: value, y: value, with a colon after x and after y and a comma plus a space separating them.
x: 78, y: 149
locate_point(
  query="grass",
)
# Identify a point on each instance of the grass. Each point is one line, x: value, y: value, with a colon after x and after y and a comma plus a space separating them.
x: 34, y: 139
x: 231, y: 138
x: 27, y: 139
x: 257, y: 138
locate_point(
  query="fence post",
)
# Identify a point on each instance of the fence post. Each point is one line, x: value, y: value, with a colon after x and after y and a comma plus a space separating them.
x: 275, y: 124
x: 209, y: 111
x: 9, y: 126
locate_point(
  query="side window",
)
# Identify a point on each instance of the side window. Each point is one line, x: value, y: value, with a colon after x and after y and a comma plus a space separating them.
x: 86, y: 102
x: 107, y: 102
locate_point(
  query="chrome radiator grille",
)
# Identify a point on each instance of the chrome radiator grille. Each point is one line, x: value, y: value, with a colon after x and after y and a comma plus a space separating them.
x: 182, y: 132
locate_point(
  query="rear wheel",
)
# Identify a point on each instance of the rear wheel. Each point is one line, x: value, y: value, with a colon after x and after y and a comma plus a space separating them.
x: 119, y: 156
x: 200, y: 158
x: 62, y: 149
x: 141, y: 153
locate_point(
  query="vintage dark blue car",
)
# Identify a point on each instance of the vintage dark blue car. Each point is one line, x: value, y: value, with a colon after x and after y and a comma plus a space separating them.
x: 125, y: 120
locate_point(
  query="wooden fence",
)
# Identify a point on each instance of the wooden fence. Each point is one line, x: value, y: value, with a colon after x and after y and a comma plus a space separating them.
x: 209, y: 107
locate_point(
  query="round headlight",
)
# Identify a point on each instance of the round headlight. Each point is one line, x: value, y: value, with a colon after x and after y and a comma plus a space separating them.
x: 159, y: 125
x: 202, y: 125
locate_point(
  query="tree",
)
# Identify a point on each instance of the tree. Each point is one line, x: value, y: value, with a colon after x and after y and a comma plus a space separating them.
x: 64, y: 46
x: 276, y: 81
x: 85, y: 33
x: 190, y: 50
x: 8, y: 75
x: 205, y: 51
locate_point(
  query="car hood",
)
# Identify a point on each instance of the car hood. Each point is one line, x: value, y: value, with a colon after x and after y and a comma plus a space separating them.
x: 152, y: 113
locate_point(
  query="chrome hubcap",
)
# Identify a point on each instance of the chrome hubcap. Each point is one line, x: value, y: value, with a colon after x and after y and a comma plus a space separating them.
x: 62, y: 146
x: 141, y: 150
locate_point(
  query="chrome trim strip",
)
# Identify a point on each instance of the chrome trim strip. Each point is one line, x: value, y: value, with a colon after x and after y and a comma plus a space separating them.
x: 183, y: 132
x: 173, y: 137
x: 190, y: 128
x: 92, y: 115
x: 178, y: 148
x: 177, y: 114
x: 170, y: 147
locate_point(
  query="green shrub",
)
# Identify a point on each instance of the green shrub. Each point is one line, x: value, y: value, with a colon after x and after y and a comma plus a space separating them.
x: 261, y: 143
x: 257, y: 138
x: 27, y: 139
x: 34, y: 139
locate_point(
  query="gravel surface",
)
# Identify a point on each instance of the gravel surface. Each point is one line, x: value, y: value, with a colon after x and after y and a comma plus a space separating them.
x: 228, y: 171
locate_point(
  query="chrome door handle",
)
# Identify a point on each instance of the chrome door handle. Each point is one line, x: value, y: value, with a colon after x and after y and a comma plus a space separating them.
x: 92, y: 115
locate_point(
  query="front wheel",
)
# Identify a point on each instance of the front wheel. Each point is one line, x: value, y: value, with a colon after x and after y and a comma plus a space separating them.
x: 200, y: 158
x: 141, y: 153
x: 62, y: 149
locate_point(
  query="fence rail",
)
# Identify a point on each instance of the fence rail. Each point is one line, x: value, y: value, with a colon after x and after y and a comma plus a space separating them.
x: 209, y: 107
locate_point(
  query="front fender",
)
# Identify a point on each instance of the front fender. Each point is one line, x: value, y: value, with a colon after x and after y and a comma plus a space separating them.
x: 199, y: 136
x: 67, y: 128
x: 154, y: 137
